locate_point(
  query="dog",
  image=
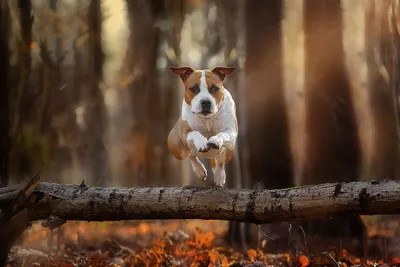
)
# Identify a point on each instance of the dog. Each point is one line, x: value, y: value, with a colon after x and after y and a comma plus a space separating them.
x: 207, y: 127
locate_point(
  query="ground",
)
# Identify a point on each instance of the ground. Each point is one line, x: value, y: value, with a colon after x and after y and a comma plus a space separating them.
x: 158, y: 243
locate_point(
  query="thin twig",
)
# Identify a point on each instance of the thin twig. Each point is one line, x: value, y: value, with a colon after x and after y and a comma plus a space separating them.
x: 259, y: 229
x: 304, y: 236
x: 332, y: 258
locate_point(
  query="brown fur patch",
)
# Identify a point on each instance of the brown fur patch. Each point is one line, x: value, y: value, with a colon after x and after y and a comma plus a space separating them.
x: 176, y: 146
x: 213, y: 163
x: 228, y: 155
x: 213, y: 79
x: 192, y: 80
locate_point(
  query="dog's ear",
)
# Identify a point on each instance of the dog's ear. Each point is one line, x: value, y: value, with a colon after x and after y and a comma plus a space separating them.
x: 182, y: 72
x: 222, y: 72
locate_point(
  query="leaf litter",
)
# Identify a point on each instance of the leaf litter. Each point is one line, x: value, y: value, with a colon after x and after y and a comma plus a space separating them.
x: 158, y: 243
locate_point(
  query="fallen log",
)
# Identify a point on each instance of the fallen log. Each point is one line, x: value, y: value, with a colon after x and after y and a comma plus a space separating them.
x: 80, y: 202
x: 60, y: 202
x: 74, y: 202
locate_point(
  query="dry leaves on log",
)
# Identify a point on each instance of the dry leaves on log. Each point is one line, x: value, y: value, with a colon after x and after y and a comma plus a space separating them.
x: 173, y: 243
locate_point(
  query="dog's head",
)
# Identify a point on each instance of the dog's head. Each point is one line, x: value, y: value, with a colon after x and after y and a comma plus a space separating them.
x: 203, y: 88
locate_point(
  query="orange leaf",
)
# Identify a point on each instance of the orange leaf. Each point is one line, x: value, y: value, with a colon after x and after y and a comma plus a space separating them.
x: 201, y: 240
x: 395, y: 260
x: 158, y: 248
x: 214, y: 255
x: 303, y: 261
x: 252, y: 254
x: 344, y: 253
x: 225, y: 262
x: 191, y: 253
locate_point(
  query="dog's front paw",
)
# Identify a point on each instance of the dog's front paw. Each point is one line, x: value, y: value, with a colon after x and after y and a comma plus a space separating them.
x: 201, y: 145
x: 215, y: 142
x: 198, y: 141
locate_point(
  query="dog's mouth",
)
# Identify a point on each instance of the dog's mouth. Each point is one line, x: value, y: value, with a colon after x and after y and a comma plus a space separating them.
x: 205, y: 112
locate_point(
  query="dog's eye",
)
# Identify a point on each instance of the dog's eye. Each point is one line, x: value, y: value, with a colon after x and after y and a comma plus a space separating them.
x: 195, y: 89
x: 214, y: 88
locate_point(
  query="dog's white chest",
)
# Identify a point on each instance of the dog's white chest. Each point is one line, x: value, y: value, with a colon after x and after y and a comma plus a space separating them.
x: 207, y: 128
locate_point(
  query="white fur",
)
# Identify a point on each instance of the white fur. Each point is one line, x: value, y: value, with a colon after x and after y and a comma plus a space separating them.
x: 219, y: 175
x: 204, y: 94
x: 219, y: 128
x: 197, y: 139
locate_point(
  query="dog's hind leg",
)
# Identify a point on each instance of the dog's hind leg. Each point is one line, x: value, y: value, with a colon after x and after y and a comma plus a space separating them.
x: 175, y: 144
x: 219, y: 174
x: 218, y: 167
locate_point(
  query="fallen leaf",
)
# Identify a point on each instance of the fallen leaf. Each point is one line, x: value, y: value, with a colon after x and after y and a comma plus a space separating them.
x: 252, y: 254
x: 303, y: 261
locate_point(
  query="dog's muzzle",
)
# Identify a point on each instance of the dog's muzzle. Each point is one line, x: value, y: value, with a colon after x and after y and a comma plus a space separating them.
x: 205, y: 105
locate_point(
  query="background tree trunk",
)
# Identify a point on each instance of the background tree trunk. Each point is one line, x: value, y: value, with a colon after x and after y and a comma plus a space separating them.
x: 266, y: 152
x: 20, y: 110
x: 175, y: 11
x: 96, y: 121
x: 5, y: 140
x: 230, y: 30
x: 24, y: 60
x: 142, y: 55
x: 355, y: 44
x: 382, y: 72
x: 266, y: 118
x: 330, y: 119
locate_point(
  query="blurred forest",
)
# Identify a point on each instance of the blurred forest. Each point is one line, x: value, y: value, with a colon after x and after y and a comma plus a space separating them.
x: 86, y: 91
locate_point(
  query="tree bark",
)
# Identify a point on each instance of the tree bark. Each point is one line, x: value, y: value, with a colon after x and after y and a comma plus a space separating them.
x: 79, y: 202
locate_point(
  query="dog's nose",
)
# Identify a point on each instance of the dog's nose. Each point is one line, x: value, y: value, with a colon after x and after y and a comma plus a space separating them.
x: 205, y: 104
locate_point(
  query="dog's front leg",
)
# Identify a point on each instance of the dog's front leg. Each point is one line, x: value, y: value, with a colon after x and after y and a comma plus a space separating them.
x: 223, y: 139
x: 197, y: 141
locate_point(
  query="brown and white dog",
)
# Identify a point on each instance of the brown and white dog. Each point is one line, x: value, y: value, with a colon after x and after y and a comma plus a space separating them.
x: 207, y: 127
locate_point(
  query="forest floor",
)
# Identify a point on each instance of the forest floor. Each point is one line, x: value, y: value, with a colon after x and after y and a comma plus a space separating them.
x: 163, y: 243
